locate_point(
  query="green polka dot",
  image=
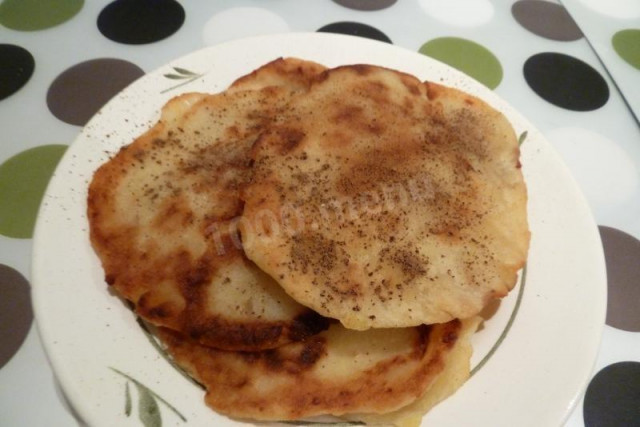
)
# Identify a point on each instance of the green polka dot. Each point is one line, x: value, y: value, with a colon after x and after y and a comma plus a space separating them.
x: 33, y: 15
x: 23, y: 180
x: 627, y: 45
x: 469, y: 57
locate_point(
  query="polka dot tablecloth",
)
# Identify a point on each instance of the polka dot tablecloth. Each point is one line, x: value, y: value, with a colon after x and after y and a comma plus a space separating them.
x: 571, y: 67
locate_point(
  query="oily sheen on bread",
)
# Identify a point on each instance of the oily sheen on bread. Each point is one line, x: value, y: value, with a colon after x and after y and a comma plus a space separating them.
x: 154, y: 207
x: 383, y: 201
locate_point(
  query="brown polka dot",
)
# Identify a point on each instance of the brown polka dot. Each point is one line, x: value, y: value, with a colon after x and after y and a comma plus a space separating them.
x: 622, y: 254
x: 16, y: 315
x: 546, y: 19
x: 80, y: 91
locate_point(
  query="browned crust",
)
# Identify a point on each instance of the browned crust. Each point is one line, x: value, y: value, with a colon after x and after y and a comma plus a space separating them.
x: 235, y: 382
x: 168, y: 283
x: 297, y: 72
x: 132, y: 272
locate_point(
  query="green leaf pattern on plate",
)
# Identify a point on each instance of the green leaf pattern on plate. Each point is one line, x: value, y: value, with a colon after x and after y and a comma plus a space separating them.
x: 127, y: 400
x: 148, y: 403
x: 148, y: 410
x: 522, y: 137
x: 181, y: 74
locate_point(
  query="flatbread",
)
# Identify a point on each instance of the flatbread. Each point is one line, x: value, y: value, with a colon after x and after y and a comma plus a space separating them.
x: 383, y: 201
x: 242, y: 221
x: 338, y: 372
x: 456, y: 371
x: 156, y: 208
x: 291, y: 73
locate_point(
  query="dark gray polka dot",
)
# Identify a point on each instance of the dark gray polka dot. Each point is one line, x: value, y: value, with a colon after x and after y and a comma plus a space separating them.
x: 566, y: 81
x: 622, y: 254
x: 366, y: 4
x: 16, y: 315
x: 612, y: 398
x: 140, y: 21
x: 355, y: 29
x: 16, y: 68
x: 80, y: 91
x: 546, y: 19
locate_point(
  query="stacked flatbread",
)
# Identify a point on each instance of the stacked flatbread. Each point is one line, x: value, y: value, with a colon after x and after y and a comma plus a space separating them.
x: 316, y: 241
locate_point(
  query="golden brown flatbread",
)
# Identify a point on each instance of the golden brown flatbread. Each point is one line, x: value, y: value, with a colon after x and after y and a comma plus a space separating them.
x: 383, y: 201
x: 291, y: 73
x: 242, y: 221
x: 155, y: 208
x: 456, y: 371
x: 341, y: 372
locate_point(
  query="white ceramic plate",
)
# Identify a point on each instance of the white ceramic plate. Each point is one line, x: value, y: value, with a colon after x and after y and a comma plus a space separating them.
x: 532, y: 360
